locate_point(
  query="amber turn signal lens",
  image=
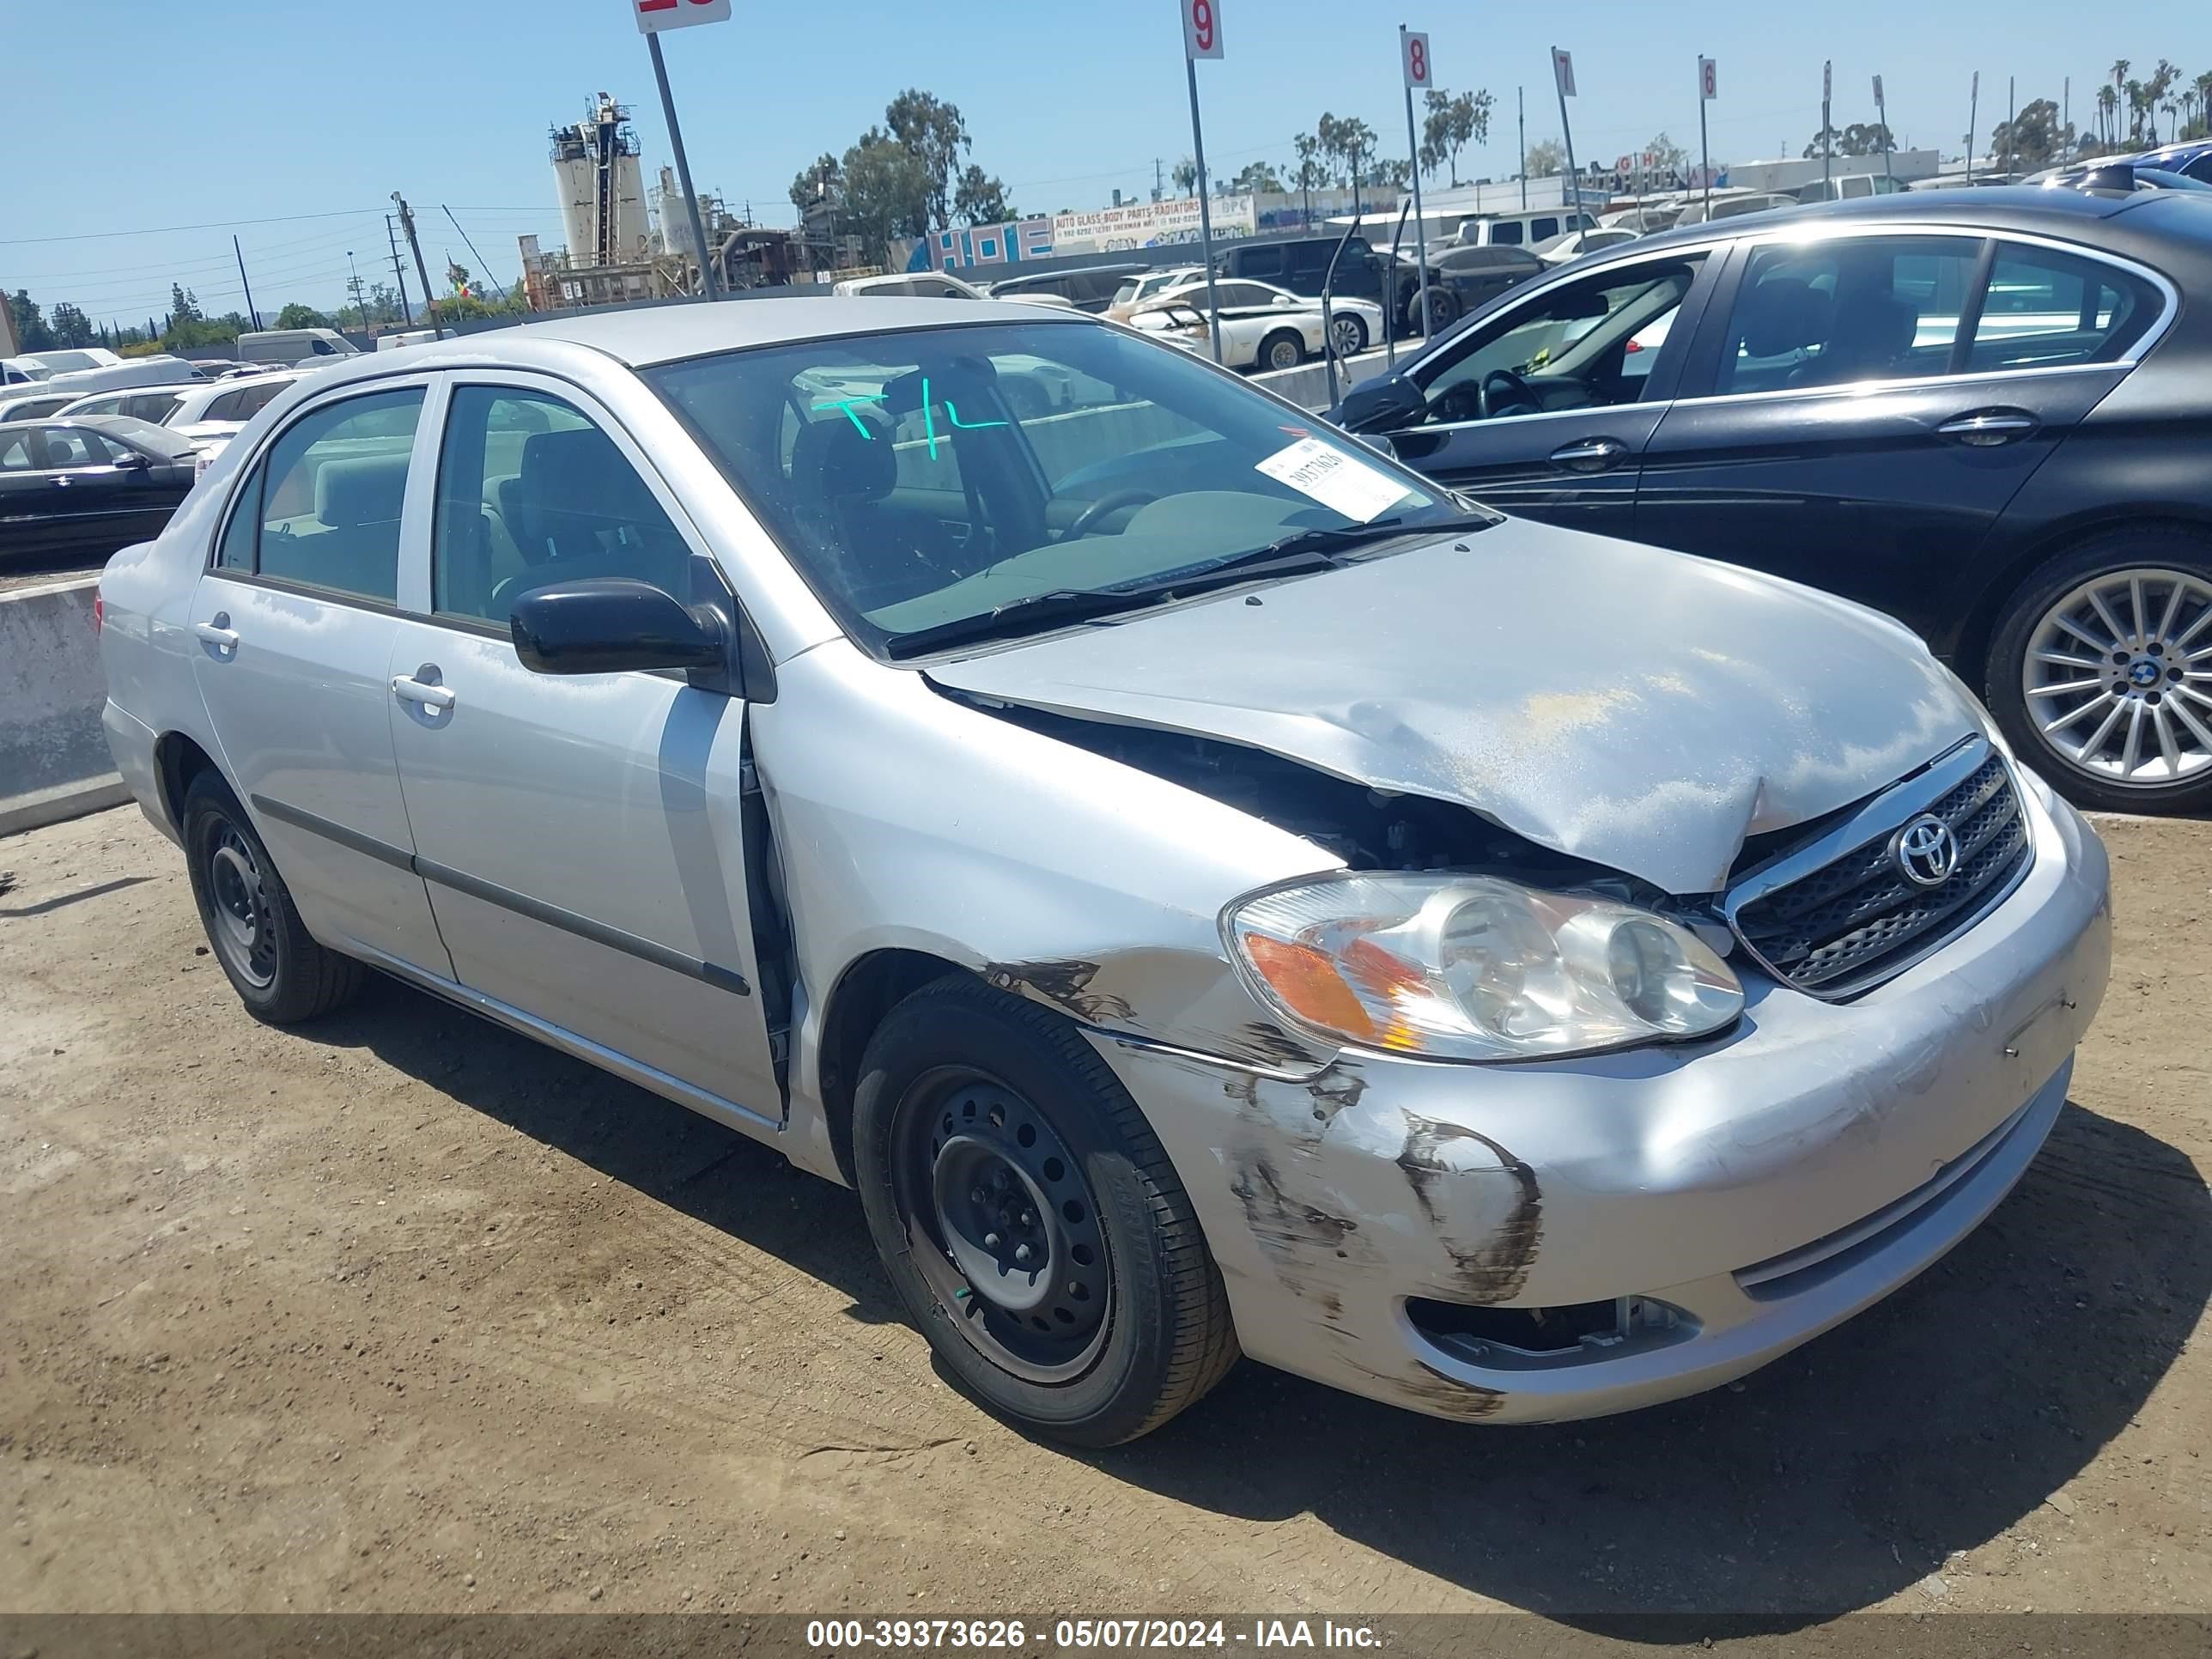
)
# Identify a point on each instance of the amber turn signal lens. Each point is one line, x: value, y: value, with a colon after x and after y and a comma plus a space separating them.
x: 1309, y: 985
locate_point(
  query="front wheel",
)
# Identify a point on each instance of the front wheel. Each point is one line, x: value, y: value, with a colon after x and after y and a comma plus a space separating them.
x: 1444, y: 311
x: 2100, y: 671
x: 1030, y: 1220
x: 1283, y: 349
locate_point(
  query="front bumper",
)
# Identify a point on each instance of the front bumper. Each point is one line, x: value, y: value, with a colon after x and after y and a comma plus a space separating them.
x: 1765, y: 1186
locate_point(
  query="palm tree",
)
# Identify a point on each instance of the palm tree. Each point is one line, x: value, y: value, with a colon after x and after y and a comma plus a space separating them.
x: 2159, y: 85
x: 2136, y: 101
x: 2204, y: 97
x: 2108, y: 103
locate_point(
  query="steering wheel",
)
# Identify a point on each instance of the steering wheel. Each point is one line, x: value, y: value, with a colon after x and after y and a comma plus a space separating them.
x: 1111, y: 502
x: 1522, y: 391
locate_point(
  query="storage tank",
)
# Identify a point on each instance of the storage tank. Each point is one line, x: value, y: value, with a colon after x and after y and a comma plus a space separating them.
x: 602, y: 187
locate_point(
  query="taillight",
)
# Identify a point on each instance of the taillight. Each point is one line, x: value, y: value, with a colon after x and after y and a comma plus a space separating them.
x: 99, y: 611
x: 1636, y: 345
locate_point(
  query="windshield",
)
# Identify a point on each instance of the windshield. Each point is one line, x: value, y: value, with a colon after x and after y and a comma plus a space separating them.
x: 932, y: 475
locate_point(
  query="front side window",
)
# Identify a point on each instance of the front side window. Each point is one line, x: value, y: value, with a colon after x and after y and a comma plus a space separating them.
x: 1588, y: 345
x: 915, y: 482
x: 1849, y: 309
x: 328, y: 515
x: 70, y: 448
x: 532, y: 492
x: 2045, y: 307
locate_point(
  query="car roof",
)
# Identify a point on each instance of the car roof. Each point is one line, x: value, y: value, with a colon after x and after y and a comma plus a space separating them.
x: 642, y: 335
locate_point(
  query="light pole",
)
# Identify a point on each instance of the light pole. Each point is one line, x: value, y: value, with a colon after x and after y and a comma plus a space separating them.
x: 359, y: 304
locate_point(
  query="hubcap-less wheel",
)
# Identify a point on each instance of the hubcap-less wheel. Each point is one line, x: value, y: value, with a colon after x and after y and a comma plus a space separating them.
x: 1002, y: 1225
x: 1284, y: 354
x: 2118, y: 678
x: 243, y: 930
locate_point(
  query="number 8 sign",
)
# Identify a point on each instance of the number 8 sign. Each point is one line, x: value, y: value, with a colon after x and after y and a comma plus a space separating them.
x: 1201, y: 27
x: 1418, y: 78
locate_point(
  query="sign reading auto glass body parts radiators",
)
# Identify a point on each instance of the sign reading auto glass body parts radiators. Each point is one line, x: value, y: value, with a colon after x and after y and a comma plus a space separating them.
x: 654, y: 15
x: 1336, y: 480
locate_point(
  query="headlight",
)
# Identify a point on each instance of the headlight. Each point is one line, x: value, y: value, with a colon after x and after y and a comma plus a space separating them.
x: 1474, y: 967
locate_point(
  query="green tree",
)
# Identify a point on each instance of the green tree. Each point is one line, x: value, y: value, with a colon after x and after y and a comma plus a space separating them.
x: 1255, y: 177
x: 2032, y: 139
x: 2157, y: 91
x: 296, y: 315
x: 815, y: 183
x: 981, y: 199
x: 1451, y: 124
x: 1547, y: 156
x: 70, y: 326
x: 885, y: 192
x: 933, y: 133
x: 184, y: 305
x: 1184, y: 175
x: 30, y: 325
x: 1349, y: 143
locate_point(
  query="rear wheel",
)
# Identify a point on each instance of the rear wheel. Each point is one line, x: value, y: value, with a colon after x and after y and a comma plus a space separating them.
x: 1348, y: 332
x: 1282, y: 350
x: 1030, y: 1220
x: 2101, y: 671
x: 1444, y: 311
x: 254, y: 929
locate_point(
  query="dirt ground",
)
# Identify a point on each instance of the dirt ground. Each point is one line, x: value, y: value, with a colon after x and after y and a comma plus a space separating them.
x: 402, y: 1312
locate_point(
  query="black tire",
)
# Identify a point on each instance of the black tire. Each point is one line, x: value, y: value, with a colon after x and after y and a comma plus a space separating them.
x: 2149, y: 549
x: 1161, y: 1336
x: 1282, y: 350
x: 253, y: 928
x: 1444, y: 311
x: 1351, y: 332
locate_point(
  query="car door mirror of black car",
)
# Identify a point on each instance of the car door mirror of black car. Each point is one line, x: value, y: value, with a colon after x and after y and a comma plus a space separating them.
x: 1381, y: 405
x: 131, y: 461
x: 607, y: 624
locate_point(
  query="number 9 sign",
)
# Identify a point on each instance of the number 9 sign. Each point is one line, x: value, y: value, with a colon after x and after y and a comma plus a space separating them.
x: 1418, y: 78
x: 1201, y: 27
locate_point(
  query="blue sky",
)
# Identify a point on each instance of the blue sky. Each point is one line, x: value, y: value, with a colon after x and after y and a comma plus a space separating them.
x: 245, y: 109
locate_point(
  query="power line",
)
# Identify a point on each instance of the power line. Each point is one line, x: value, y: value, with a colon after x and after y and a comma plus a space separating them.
x: 167, y: 230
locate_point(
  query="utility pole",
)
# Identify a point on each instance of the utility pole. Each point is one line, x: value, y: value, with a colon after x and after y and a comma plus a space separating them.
x: 421, y: 270
x: 2012, y: 118
x: 1156, y: 186
x: 1973, y: 108
x: 2066, y: 110
x: 1521, y: 121
x: 360, y: 304
x: 484, y: 266
x: 1827, y: 131
x: 247, y: 286
x: 399, y: 272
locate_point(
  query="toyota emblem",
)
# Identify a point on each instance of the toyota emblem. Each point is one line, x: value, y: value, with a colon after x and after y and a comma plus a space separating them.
x: 1926, y: 850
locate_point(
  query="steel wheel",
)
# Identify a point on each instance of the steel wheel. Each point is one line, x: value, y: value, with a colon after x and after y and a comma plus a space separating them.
x: 2118, y: 678
x: 1002, y: 1225
x: 243, y: 930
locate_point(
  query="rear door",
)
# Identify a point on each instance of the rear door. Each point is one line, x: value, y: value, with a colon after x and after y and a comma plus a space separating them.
x: 1865, y: 405
x: 1545, y: 409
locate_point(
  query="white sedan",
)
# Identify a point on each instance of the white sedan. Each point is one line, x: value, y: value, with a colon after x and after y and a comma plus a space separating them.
x: 1356, y: 322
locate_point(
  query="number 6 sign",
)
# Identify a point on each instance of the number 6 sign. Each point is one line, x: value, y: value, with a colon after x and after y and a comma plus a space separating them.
x: 1201, y: 27
x: 654, y: 15
x: 1418, y: 78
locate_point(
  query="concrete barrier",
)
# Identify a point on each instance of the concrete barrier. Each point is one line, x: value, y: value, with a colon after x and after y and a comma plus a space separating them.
x: 54, y: 762
x: 1307, y: 385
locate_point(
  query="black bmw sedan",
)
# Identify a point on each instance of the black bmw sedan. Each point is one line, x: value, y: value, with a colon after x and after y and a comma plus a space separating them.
x: 1986, y: 412
x: 88, y: 486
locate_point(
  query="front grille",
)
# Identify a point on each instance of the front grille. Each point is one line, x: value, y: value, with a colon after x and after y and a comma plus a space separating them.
x: 1854, y: 920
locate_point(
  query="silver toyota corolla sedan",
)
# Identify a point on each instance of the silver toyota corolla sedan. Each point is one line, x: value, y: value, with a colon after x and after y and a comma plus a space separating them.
x: 1209, y: 889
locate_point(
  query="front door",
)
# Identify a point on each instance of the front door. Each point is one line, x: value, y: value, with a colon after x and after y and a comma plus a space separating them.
x: 1865, y: 406
x: 582, y: 837
x: 1545, y: 409
x: 293, y: 626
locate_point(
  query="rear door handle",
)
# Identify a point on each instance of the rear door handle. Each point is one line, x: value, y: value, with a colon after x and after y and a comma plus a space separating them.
x: 1985, y: 428
x: 1591, y: 455
x: 408, y: 689
x: 218, y: 633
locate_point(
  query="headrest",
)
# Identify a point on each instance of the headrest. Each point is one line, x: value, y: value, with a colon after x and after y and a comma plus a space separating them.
x: 367, y: 489
x: 579, y: 471
x: 1875, y: 326
x: 836, y: 460
x: 1784, y: 314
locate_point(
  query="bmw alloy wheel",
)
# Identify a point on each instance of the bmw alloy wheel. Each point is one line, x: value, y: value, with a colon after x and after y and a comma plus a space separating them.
x: 2118, y: 678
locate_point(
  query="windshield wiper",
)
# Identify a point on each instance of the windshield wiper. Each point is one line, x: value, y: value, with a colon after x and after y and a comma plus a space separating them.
x: 1348, y: 537
x: 1029, y: 614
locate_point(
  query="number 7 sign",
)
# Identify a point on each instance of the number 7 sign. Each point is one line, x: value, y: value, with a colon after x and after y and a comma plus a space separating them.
x: 1201, y: 27
x: 654, y: 15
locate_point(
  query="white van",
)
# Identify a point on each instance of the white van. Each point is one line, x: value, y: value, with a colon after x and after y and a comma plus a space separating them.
x: 291, y: 345
x: 160, y: 369
x: 1522, y: 229
x: 405, y: 338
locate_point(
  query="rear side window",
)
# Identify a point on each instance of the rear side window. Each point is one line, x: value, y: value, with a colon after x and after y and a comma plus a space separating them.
x: 156, y: 406
x: 1543, y: 230
x: 2045, y: 307
x: 329, y: 513
x: 1854, y: 308
x: 1257, y: 262
x: 530, y: 492
x: 1506, y: 233
x: 231, y: 406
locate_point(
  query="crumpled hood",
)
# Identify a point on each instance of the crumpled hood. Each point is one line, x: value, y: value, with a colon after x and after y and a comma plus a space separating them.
x: 1642, y: 709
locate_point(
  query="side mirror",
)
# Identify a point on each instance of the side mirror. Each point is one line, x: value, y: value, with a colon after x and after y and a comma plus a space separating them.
x: 132, y: 461
x: 605, y: 624
x: 1379, y: 405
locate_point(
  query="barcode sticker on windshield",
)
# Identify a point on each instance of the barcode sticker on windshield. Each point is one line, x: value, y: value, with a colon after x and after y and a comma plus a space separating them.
x: 1334, y: 479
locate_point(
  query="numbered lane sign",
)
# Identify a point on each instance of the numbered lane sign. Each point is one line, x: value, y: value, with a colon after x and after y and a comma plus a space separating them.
x: 1708, y: 78
x: 1877, y: 89
x: 1563, y: 71
x: 1827, y: 80
x: 654, y: 15
x: 1201, y: 27
x: 1418, y: 78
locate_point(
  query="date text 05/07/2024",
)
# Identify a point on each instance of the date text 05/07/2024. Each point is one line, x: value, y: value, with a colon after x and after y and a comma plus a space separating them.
x: 833, y: 1635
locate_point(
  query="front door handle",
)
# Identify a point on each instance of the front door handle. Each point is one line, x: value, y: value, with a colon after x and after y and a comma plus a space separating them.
x: 408, y: 689
x: 218, y: 632
x: 1985, y: 428
x: 1591, y: 455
